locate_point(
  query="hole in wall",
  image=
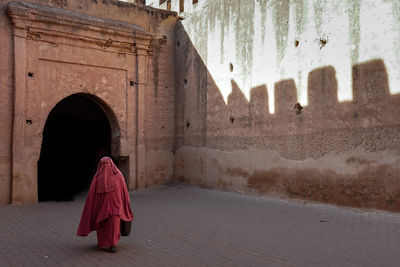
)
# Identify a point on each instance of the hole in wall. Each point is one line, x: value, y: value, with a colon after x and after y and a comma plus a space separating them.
x: 297, y: 108
x: 30, y: 74
x: 231, y: 67
x: 296, y: 43
x: 187, y: 124
x: 322, y: 42
x: 29, y: 122
x: 231, y: 119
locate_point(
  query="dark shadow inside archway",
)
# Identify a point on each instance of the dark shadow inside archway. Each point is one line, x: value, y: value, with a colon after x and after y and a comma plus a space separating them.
x: 76, y: 135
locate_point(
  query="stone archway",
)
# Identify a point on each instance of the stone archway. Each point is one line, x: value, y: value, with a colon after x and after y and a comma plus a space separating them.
x: 79, y: 130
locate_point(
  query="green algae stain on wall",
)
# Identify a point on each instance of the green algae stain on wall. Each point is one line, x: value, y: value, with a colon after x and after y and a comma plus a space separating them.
x: 263, y: 4
x: 224, y: 28
x: 353, y: 11
x: 234, y: 14
x: 198, y: 33
x: 396, y: 26
x: 244, y: 35
x: 231, y: 14
x: 280, y: 11
x: 221, y: 12
x: 319, y: 12
x: 301, y: 10
x: 202, y: 39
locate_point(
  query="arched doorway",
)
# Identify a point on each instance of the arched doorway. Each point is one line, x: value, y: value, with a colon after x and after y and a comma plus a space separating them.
x: 76, y: 135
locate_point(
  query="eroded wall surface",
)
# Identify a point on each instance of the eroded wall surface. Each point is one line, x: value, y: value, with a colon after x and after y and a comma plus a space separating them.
x: 160, y: 103
x: 120, y: 69
x: 293, y: 98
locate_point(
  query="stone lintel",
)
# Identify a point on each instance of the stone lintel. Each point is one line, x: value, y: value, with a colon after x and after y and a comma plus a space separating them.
x: 43, y: 22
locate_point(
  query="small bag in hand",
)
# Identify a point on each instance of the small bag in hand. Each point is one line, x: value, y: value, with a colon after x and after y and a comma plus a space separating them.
x: 125, y: 228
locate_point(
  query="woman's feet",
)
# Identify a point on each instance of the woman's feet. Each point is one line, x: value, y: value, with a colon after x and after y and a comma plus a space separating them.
x: 113, y: 249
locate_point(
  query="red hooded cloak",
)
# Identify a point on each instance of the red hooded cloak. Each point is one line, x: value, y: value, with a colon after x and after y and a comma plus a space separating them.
x: 106, y: 204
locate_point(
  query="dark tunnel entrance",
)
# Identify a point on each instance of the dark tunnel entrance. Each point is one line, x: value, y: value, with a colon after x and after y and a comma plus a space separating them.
x: 76, y: 135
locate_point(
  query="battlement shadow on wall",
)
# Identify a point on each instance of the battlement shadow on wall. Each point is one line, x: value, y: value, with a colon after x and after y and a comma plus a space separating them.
x: 325, y: 125
x: 372, y: 105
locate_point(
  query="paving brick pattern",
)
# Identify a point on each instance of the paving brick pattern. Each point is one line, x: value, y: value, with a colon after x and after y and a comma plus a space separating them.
x: 185, y: 226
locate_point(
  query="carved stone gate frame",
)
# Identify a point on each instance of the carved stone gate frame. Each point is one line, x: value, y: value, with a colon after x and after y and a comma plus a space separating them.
x: 58, y: 53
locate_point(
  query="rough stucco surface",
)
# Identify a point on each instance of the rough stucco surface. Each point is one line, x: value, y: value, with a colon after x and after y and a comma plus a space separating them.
x: 160, y: 106
x: 341, y: 152
x: 122, y: 82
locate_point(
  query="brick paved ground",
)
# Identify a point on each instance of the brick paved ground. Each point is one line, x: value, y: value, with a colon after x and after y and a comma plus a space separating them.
x: 185, y: 226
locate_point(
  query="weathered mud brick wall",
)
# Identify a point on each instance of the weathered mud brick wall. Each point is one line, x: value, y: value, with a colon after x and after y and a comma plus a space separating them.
x: 160, y: 102
x: 292, y: 98
x: 117, y: 54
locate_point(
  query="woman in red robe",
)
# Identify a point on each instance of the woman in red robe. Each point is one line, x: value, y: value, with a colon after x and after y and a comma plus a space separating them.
x: 106, y: 205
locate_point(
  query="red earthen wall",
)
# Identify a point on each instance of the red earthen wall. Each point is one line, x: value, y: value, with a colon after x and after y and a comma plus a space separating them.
x: 345, y: 153
x: 151, y: 99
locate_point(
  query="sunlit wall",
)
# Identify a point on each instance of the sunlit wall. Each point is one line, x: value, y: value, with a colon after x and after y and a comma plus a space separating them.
x: 261, y: 42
